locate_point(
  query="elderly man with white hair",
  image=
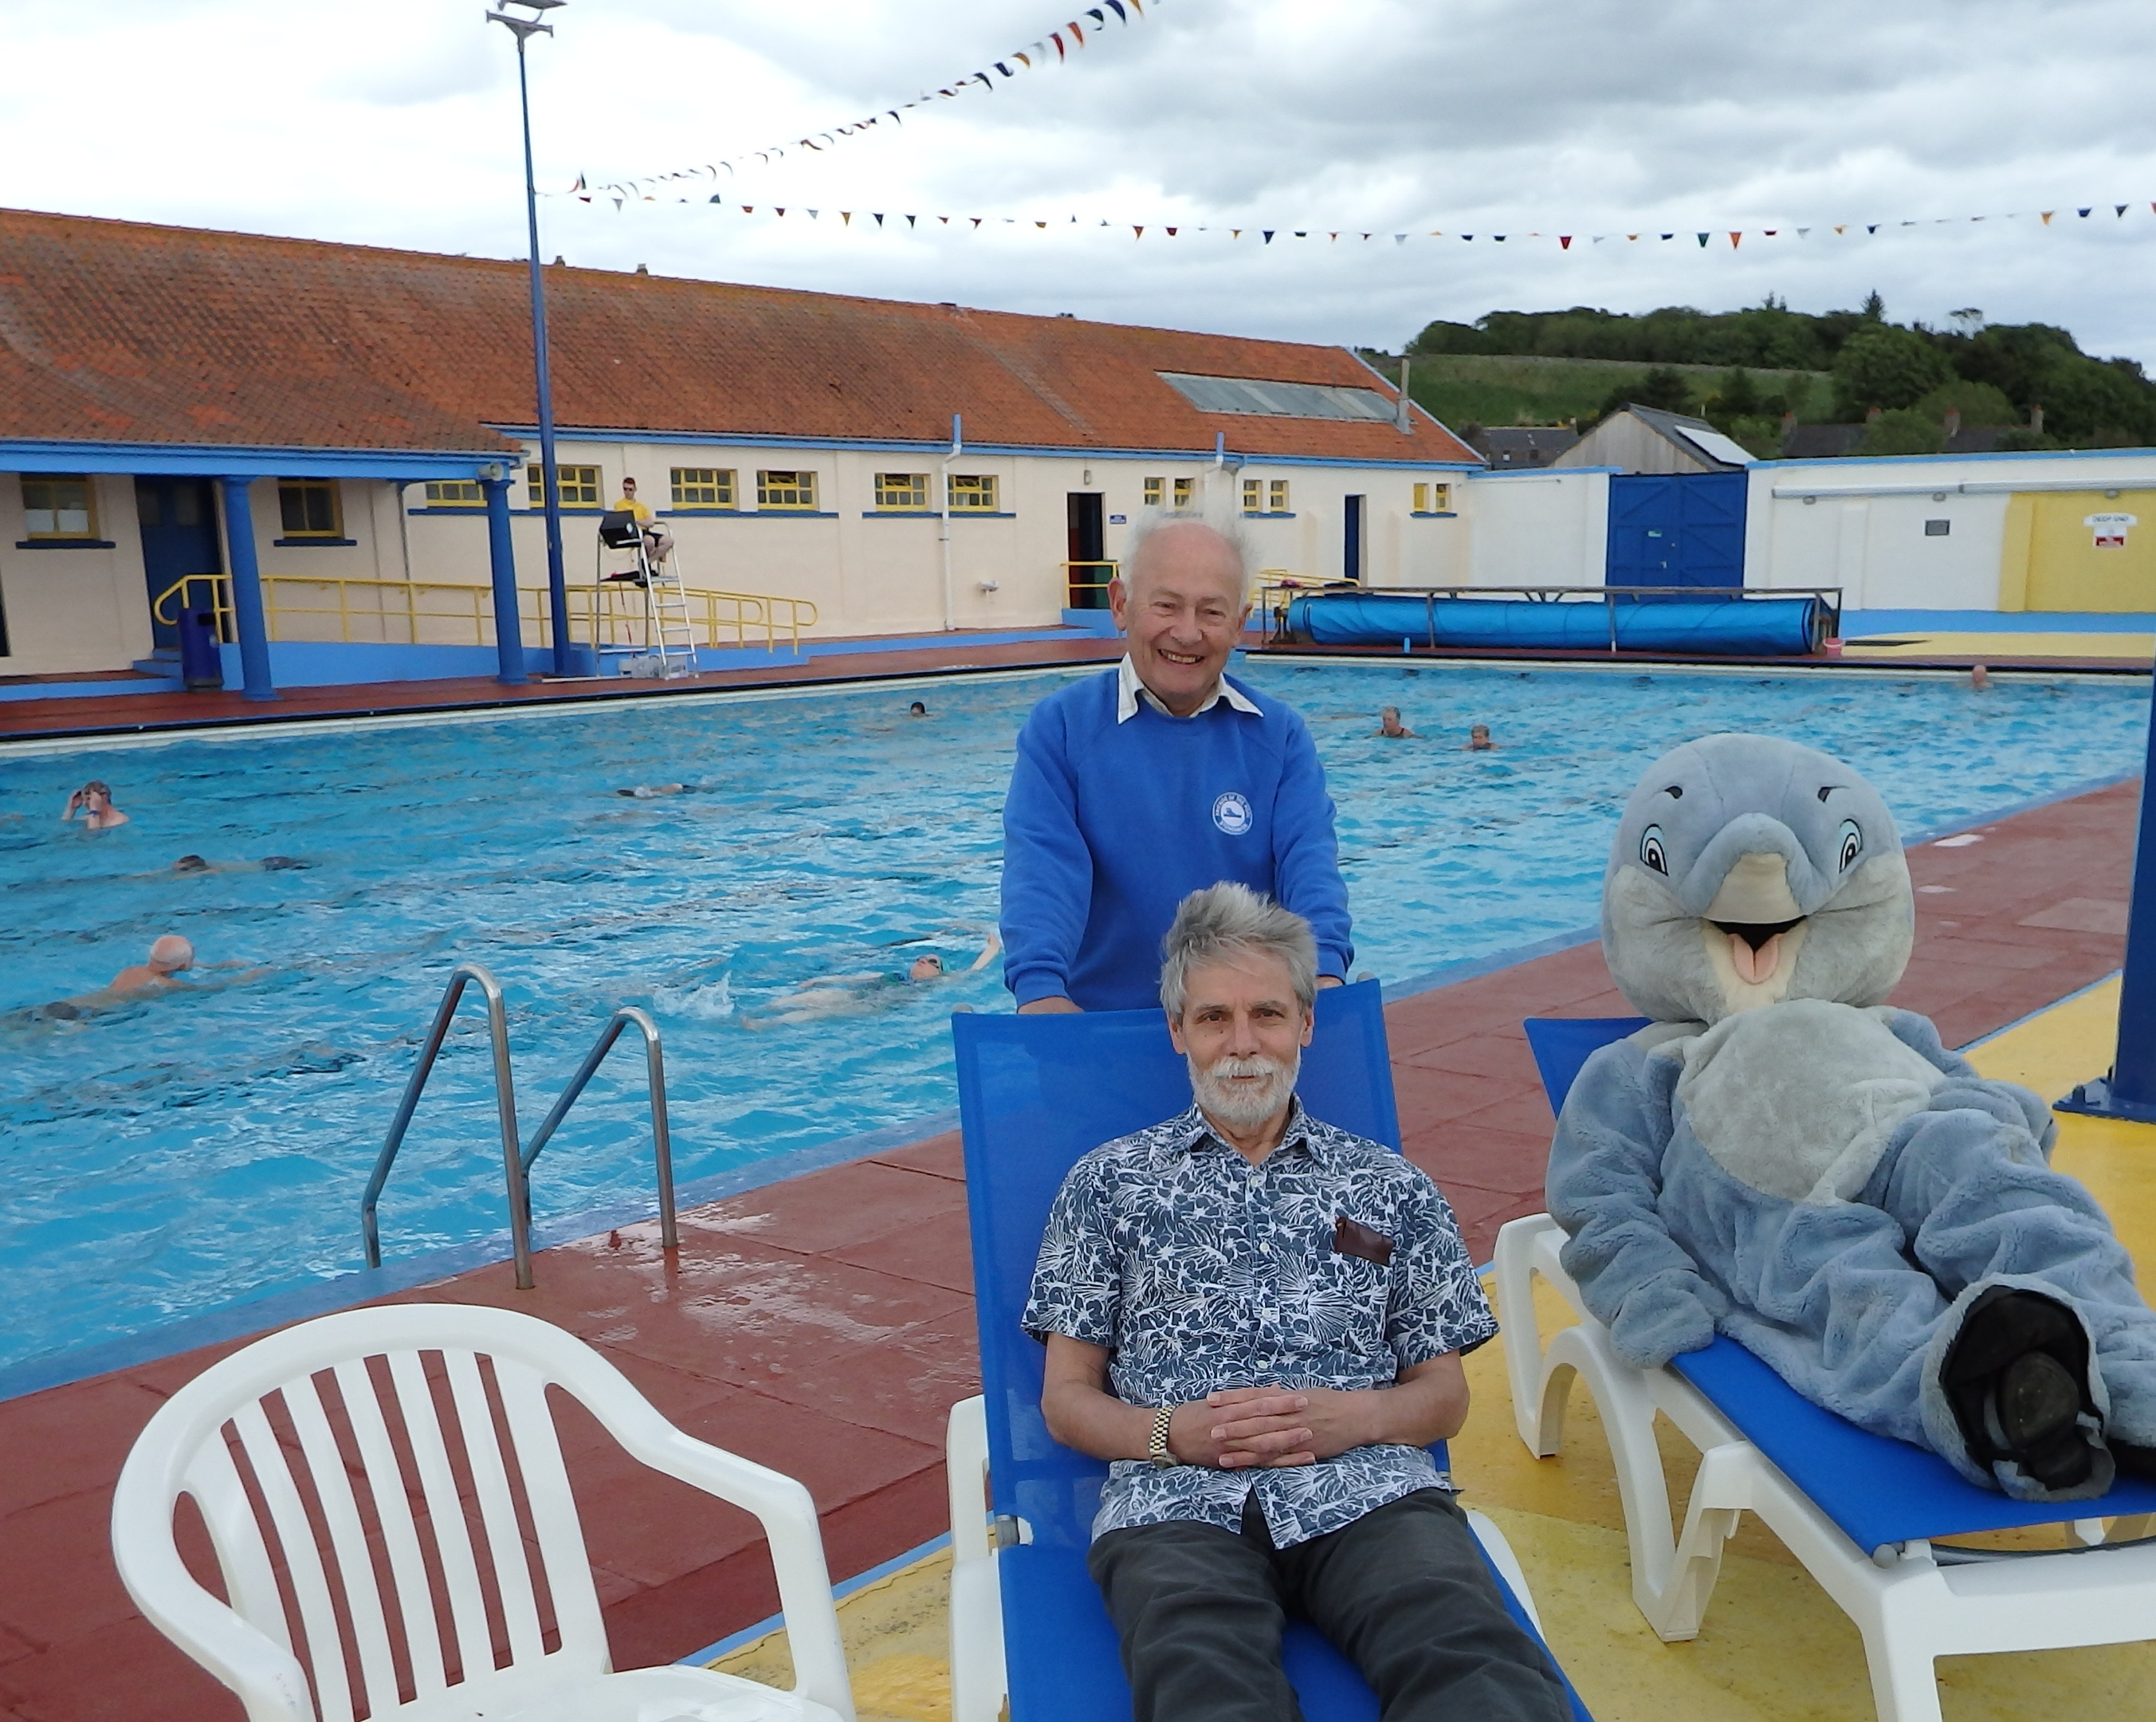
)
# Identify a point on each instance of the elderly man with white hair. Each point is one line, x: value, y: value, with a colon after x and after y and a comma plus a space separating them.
x: 1259, y: 1320
x: 1134, y: 788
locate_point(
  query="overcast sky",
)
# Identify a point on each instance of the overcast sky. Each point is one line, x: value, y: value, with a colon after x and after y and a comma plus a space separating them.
x: 394, y: 122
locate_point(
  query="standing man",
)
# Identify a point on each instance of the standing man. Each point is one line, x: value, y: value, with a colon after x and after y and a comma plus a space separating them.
x: 1135, y: 788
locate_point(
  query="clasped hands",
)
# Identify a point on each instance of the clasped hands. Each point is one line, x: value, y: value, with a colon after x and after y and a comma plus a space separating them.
x: 1267, y: 1428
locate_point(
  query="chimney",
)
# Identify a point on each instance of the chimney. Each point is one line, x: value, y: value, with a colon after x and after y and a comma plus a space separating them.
x: 1953, y: 422
x: 2036, y: 418
x: 1406, y: 426
x: 1872, y: 416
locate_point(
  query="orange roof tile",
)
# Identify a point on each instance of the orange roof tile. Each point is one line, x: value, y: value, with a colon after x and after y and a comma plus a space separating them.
x: 113, y: 331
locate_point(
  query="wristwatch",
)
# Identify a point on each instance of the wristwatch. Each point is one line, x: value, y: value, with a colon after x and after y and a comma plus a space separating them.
x: 1156, y: 1448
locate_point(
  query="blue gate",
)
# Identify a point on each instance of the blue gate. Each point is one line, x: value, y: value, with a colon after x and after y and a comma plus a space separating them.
x: 1677, y: 529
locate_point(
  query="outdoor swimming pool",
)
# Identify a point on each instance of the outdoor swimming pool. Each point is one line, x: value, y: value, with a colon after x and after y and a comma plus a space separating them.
x: 177, y: 1153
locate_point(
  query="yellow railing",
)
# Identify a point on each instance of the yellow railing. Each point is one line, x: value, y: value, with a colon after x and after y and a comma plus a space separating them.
x: 1275, y: 588
x: 1084, y: 577
x: 309, y: 607
x: 219, y: 598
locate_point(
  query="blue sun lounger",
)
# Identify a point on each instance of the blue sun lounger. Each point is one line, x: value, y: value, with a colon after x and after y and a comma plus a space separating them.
x: 1864, y: 1513
x: 1027, y: 1624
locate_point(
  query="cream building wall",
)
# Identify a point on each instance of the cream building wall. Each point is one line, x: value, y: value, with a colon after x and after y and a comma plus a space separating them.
x: 1547, y: 527
x: 70, y: 610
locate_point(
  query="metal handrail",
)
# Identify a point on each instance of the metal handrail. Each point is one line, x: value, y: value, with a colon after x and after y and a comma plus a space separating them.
x: 220, y: 601
x: 662, y: 1145
x: 505, y: 1094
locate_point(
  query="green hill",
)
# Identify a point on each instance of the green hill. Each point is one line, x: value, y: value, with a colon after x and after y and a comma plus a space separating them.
x: 1484, y: 389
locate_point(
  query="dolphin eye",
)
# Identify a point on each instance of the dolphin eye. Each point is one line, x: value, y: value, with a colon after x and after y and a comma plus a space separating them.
x: 1849, y: 844
x: 1651, y: 852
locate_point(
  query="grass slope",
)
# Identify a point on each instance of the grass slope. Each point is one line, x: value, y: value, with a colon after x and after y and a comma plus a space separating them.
x: 1485, y: 388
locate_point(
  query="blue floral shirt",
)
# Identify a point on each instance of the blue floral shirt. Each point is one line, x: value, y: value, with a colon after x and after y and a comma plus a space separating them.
x: 1199, y: 1271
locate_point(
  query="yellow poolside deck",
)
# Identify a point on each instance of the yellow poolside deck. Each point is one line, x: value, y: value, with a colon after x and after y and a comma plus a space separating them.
x: 1773, y: 1648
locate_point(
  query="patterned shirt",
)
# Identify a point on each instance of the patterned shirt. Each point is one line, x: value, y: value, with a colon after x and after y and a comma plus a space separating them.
x: 1199, y: 1271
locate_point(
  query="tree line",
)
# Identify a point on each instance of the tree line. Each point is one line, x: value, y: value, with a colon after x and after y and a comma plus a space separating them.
x: 1912, y: 374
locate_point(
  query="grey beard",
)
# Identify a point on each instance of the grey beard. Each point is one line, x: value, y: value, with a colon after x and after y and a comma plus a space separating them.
x: 1236, y: 1106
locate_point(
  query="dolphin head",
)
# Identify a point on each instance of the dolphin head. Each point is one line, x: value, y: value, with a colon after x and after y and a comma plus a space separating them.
x: 1748, y: 870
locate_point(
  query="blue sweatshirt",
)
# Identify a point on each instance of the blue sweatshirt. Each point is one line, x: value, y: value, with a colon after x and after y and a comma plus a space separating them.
x: 1109, y: 825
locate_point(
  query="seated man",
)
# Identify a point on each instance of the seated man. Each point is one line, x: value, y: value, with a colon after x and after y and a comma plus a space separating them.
x: 1259, y: 1320
x: 658, y: 541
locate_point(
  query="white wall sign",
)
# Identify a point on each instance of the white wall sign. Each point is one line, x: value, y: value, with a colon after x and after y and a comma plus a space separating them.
x: 2108, y: 531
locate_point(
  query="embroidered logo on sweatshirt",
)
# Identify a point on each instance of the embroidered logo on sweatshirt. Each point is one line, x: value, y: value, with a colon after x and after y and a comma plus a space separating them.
x: 1232, y: 814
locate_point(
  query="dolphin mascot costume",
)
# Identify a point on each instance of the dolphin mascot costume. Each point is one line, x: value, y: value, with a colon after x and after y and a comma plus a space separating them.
x: 1782, y: 1157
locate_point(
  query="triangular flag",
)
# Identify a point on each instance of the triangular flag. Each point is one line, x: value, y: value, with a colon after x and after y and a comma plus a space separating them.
x: 879, y: 221
x: 2119, y: 209
x: 2083, y: 213
x: 1669, y: 236
x: 1771, y: 231
x: 1171, y: 233
x: 782, y: 212
x: 1802, y: 231
x: 1302, y: 232
x: 1871, y: 227
x: 1470, y: 238
x: 1564, y: 242
x: 1040, y: 223
x: 1056, y: 37
x: 1004, y: 69
x: 1399, y: 239
x: 1703, y: 240
x: 1499, y: 238
x: 1138, y: 233
x: 1023, y: 61
x: 1235, y: 233
x: 812, y: 215
x: 1077, y: 31
x: 1269, y: 236
x: 748, y: 208
x: 1117, y: 7
x: 975, y: 219
x: 945, y: 219
x: 1733, y: 238
x: 1842, y: 228
x: 846, y: 217
x: 909, y: 221
x: 1097, y: 15
x: 716, y: 199
x: 1335, y: 237
x: 2048, y: 214
x: 1631, y: 236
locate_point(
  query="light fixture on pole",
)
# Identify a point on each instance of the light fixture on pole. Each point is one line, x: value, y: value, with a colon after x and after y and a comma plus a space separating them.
x: 523, y: 27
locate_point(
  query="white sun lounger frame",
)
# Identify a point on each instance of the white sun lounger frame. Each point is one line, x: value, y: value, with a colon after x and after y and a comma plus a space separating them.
x: 1910, y: 1608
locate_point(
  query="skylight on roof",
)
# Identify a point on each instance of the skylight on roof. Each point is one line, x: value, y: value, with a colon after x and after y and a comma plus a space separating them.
x: 1716, y: 446
x: 1278, y: 400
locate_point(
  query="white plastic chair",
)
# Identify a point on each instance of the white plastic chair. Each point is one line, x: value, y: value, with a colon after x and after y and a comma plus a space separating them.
x: 299, y: 1544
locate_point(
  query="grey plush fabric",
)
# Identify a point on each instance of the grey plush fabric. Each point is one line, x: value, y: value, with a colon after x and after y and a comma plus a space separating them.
x: 1779, y: 1158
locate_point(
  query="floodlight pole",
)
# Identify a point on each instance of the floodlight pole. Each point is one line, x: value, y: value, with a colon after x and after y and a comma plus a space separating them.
x: 557, y: 585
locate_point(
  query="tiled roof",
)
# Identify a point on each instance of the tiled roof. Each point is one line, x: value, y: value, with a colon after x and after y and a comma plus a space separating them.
x: 123, y: 332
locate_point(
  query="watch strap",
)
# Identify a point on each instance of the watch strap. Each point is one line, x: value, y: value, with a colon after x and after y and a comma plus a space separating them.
x: 1157, y: 1449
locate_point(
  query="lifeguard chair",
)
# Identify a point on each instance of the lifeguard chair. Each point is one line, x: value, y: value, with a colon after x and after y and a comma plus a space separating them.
x: 640, y: 613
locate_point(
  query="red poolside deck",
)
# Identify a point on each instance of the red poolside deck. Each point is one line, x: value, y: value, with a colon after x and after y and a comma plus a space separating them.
x: 824, y: 1324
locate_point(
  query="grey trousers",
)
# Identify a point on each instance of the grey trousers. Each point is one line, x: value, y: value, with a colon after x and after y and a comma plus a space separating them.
x: 1402, y: 1591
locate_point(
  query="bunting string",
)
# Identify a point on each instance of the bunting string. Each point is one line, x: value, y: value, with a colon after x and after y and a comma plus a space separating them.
x: 1054, y: 49
x: 1701, y: 238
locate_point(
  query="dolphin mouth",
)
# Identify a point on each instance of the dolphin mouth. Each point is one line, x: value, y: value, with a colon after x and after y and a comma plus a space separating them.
x: 1755, y: 947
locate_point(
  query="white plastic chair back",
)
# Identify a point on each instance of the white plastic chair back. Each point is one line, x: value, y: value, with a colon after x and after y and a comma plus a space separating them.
x: 385, y: 1492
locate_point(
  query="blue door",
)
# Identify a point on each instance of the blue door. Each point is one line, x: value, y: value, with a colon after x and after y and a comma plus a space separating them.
x: 178, y: 519
x: 1677, y: 529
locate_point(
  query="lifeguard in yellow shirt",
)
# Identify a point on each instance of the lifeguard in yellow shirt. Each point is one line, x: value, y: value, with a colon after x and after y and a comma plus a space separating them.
x: 658, y: 541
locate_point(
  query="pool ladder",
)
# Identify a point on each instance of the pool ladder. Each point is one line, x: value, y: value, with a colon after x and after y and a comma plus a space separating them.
x: 516, y: 1161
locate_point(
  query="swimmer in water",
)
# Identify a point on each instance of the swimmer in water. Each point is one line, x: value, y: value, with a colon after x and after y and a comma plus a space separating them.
x: 916, y: 710
x: 1979, y: 678
x: 646, y: 792
x: 1390, y: 726
x: 93, y: 802
x: 851, y: 994
x: 267, y: 864
x: 1479, y: 742
x: 168, y: 957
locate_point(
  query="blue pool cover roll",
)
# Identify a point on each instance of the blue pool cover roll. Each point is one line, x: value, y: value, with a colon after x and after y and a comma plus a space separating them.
x: 1764, y: 627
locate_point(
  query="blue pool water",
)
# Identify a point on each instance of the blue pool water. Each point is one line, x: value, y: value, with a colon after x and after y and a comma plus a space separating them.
x: 177, y: 1153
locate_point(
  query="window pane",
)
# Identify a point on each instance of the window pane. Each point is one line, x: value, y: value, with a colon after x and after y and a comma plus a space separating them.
x: 1280, y: 496
x: 973, y: 491
x: 703, y: 487
x: 1155, y: 488
x: 777, y: 489
x: 55, y: 508
x: 455, y: 493
x: 1440, y: 498
x: 292, y: 507
x: 1182, y: 486
x: 321, y: 510
x: 902, y: 490
x: 1253, y: 491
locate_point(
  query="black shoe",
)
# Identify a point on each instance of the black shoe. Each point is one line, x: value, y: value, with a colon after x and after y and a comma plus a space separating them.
x: 2133, y: 1460
x: 2017, y: 1377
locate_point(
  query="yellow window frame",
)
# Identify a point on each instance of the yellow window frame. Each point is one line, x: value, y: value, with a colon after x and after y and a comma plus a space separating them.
x: 973, y: 493
x: 1185, y: 488
x: 298, y: 500
x: 703, y: 486
x: 783, y: 490
x: 578, y: 486
x: 1278, y: 498
x: 455, y: 493
x: 1254, y: 496
x: 52, y: 495
x: 901, y: 493
x: 1156, y: 492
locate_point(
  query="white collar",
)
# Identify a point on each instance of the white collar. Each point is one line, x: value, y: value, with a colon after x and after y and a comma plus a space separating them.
x: 1130, y: 690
